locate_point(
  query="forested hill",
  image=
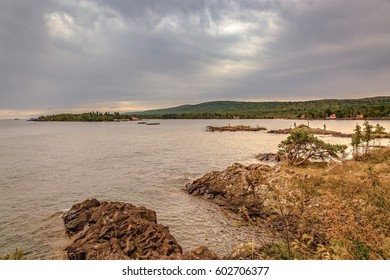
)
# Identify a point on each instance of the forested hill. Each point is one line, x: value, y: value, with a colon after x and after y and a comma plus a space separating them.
x: 373, y: 107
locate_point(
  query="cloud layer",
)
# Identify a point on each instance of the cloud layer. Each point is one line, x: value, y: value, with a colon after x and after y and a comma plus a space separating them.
x: 127, y: 55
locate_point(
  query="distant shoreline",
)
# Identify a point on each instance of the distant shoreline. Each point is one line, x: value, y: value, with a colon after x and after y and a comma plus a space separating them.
x: 124, y: 120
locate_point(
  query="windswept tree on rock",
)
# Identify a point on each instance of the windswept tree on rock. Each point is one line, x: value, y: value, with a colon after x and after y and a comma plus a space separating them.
x: 301, y: 146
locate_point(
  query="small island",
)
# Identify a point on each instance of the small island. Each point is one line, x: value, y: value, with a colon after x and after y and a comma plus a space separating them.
x: 317, y: 131
x: 87, y: 117
x: 234, y: 128
x: 378, y: 131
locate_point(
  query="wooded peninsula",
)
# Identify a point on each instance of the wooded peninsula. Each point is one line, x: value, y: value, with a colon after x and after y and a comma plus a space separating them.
x: 365, y: 108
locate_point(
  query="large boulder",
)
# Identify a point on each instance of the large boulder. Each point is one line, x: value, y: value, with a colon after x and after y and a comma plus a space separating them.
x: 117, y: 230
x: 241, y: 187
x: 234, y: 188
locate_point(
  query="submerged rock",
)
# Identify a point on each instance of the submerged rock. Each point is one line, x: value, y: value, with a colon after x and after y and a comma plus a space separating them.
x: 118, y: 230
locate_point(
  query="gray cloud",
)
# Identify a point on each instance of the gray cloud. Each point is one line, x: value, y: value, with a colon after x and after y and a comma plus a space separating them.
x: 57, y: 55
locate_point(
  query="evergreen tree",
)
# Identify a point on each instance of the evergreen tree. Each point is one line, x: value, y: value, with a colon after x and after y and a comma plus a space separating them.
x: 301, y: 146
x: 356, y: 142
x: 367, y: 136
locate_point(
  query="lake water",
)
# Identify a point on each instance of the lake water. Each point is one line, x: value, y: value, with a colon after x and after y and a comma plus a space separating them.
x: 45, y: 168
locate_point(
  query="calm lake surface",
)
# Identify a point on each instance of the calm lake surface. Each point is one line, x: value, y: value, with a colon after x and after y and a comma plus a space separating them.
x: 45, y: 168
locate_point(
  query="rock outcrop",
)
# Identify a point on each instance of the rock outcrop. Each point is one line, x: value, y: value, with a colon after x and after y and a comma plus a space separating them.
x: 243, y: 187
x: 118, y: 230
x: 234, y: 188
x: 317, y: 131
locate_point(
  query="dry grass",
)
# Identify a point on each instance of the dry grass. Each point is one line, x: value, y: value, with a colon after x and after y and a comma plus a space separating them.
x: 18, y: 254
x: 338, y: 213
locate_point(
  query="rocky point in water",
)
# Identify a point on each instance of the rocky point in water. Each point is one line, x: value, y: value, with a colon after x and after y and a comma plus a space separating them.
x: 118, y: 230
x: 239, y: 186
x: 233, y: 188
x: 317, y: 131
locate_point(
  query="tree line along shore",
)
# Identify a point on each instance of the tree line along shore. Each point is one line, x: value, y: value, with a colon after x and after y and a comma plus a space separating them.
x: 343, y: 109
x: 369, y: 108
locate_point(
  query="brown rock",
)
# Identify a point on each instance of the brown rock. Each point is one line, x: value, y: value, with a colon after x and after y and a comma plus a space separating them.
x: 233, y: 188
x: 78, y: 215
x: 117, y: 230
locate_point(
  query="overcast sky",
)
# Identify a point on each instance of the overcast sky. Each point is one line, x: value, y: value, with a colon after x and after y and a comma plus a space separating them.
x: 82, y: 55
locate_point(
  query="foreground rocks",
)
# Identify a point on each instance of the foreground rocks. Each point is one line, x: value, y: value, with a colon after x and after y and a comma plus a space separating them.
x: 117, y: 230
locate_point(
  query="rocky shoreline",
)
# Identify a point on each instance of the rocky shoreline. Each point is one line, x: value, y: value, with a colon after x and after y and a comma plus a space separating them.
x: 294, y: 205
x: 121, y: 231
x: 118, y: 230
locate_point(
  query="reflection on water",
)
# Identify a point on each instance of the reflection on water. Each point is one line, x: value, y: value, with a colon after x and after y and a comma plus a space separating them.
x: 47, y: 167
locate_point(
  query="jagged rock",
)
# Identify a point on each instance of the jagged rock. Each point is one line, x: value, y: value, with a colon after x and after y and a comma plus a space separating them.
x: 239, y: 186
x: 117, y: 230
x: 236, y: 187
x: 78, y: 215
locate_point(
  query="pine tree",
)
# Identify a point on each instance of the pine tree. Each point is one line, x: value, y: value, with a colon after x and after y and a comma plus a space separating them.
x: 356, y: 142
x: 367, y: 136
